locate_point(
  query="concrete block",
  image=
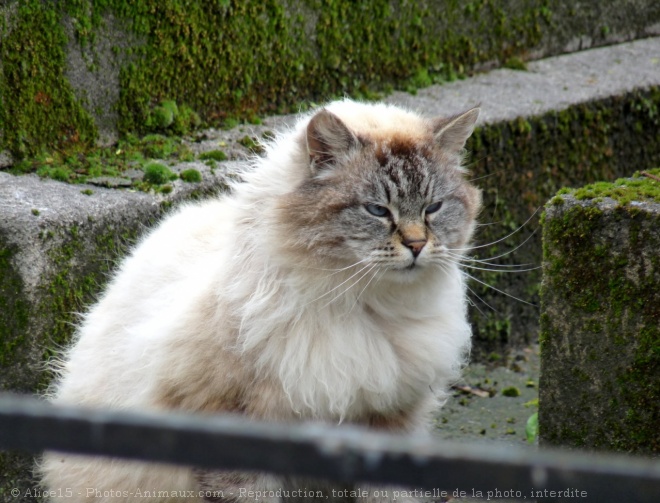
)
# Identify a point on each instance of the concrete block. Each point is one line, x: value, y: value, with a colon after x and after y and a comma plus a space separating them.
x: 600, y: 321
x: 58, y: 242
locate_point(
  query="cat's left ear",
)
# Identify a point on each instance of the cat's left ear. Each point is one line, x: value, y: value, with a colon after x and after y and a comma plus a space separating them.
x: 328, y: 140
x: 451, y: 133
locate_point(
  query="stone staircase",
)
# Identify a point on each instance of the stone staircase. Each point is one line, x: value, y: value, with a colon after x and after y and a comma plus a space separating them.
x: 565, y: 120
x: 58, y: 241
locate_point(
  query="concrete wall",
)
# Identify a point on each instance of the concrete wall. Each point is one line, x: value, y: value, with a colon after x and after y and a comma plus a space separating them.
x: 79, y: 72
x: 600, y: 322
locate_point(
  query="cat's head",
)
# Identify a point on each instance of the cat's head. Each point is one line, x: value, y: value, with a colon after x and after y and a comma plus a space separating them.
x: 382, y: 186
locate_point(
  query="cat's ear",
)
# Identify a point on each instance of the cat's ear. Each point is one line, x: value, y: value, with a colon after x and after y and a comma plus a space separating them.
x: 328, y: 139
x: 451, y: 133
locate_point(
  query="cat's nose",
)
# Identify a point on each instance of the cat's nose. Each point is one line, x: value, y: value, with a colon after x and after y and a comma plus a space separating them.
x: 415, y: 245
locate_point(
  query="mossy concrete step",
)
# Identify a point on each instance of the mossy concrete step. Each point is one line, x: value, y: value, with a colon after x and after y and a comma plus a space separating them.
x: 91, y: 70
x: 58, y: 242
x: 600, y: 338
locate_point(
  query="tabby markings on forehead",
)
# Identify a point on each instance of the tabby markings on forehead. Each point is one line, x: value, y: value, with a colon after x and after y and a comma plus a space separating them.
x: 407, y: 175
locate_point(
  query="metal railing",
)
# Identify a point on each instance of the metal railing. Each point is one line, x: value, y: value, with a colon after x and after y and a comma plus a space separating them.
x: 346, y: 454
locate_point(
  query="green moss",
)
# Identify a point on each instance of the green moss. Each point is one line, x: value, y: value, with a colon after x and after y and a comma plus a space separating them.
x: 169, y: 118
x: 155, y: 146
x: 511, y: 391
x: 252, y: 144
x: 194, y: 54
x: 76, y: 165
x: 515, y: 63
x: 191, y: 176
x: 186, y: 121
x: 14, y: 308
x: 639, y: 188
x: 215, y: 155
x: 39, y: 107
x: 160, y: 119
x: 157, y: 173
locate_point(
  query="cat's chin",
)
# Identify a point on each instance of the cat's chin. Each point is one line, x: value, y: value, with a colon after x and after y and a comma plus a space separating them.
x: 408, y: 274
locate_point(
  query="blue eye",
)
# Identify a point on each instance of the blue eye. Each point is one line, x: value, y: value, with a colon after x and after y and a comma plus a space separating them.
x: 377, y: 210
x: 432, y: 208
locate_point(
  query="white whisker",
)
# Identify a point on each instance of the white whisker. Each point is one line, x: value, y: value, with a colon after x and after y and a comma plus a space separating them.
x: 499, y: 240
x: 497, y: 289
x: 365, y: 287
x: 514, y: 249
x: 339, y: 285
x: 341, y: 294
x: 334, y: 271
x: 467, y: 261
x: 482, y: 301
x: 476, y: 268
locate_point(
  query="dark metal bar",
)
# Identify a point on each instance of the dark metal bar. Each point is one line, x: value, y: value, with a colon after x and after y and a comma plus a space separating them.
x: 347, y: 454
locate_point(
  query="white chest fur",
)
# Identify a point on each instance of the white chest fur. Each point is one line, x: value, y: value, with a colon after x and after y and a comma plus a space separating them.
x: 380, y: 353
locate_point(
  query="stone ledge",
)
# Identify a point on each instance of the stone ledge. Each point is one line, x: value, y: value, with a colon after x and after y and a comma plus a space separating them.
x: 600, y: 322
x: 58, y: 243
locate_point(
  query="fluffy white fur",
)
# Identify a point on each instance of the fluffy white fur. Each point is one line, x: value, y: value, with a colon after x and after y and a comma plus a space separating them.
x: 204, y: 297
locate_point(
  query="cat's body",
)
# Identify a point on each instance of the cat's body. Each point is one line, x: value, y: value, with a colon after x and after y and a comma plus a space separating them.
x: 325, y: 288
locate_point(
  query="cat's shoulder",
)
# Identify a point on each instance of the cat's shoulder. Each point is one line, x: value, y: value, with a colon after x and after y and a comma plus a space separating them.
x: 184, y: 240
x: 193, y: 220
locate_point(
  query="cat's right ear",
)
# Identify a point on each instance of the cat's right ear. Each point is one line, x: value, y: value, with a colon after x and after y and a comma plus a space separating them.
x: 328, y: 140
x: 451, y: 133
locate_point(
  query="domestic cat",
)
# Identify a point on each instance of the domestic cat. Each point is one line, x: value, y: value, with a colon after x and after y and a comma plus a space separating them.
x: 326, y: 288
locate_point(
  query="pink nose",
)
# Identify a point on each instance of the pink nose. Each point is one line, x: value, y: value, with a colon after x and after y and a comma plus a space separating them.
x: 415, y: 245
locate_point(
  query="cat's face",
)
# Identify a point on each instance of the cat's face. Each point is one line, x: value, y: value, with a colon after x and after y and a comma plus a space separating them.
x: 398, y: 202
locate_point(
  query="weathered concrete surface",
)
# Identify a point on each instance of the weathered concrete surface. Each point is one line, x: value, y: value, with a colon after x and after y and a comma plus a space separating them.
x: 600, y: 324
x: 93, y: 71
x: 550, y: 84
x: 57, y: 246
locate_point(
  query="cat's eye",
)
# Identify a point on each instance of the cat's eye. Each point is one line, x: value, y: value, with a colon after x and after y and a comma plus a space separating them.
x: 432, y: 208
x: 377, y: 210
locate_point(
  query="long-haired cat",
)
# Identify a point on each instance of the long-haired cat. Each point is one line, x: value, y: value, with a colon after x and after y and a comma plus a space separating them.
x: 326, y: 287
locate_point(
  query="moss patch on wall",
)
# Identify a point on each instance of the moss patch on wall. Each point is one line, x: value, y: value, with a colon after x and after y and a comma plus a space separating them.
x: 641, y: 187
x: 520, y: 165
x: 14, y: 308
x: 600, y: 338
x: 16, y: 473
x: 227, y: 59
x: 39, y: 108
x: 79, y: 260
